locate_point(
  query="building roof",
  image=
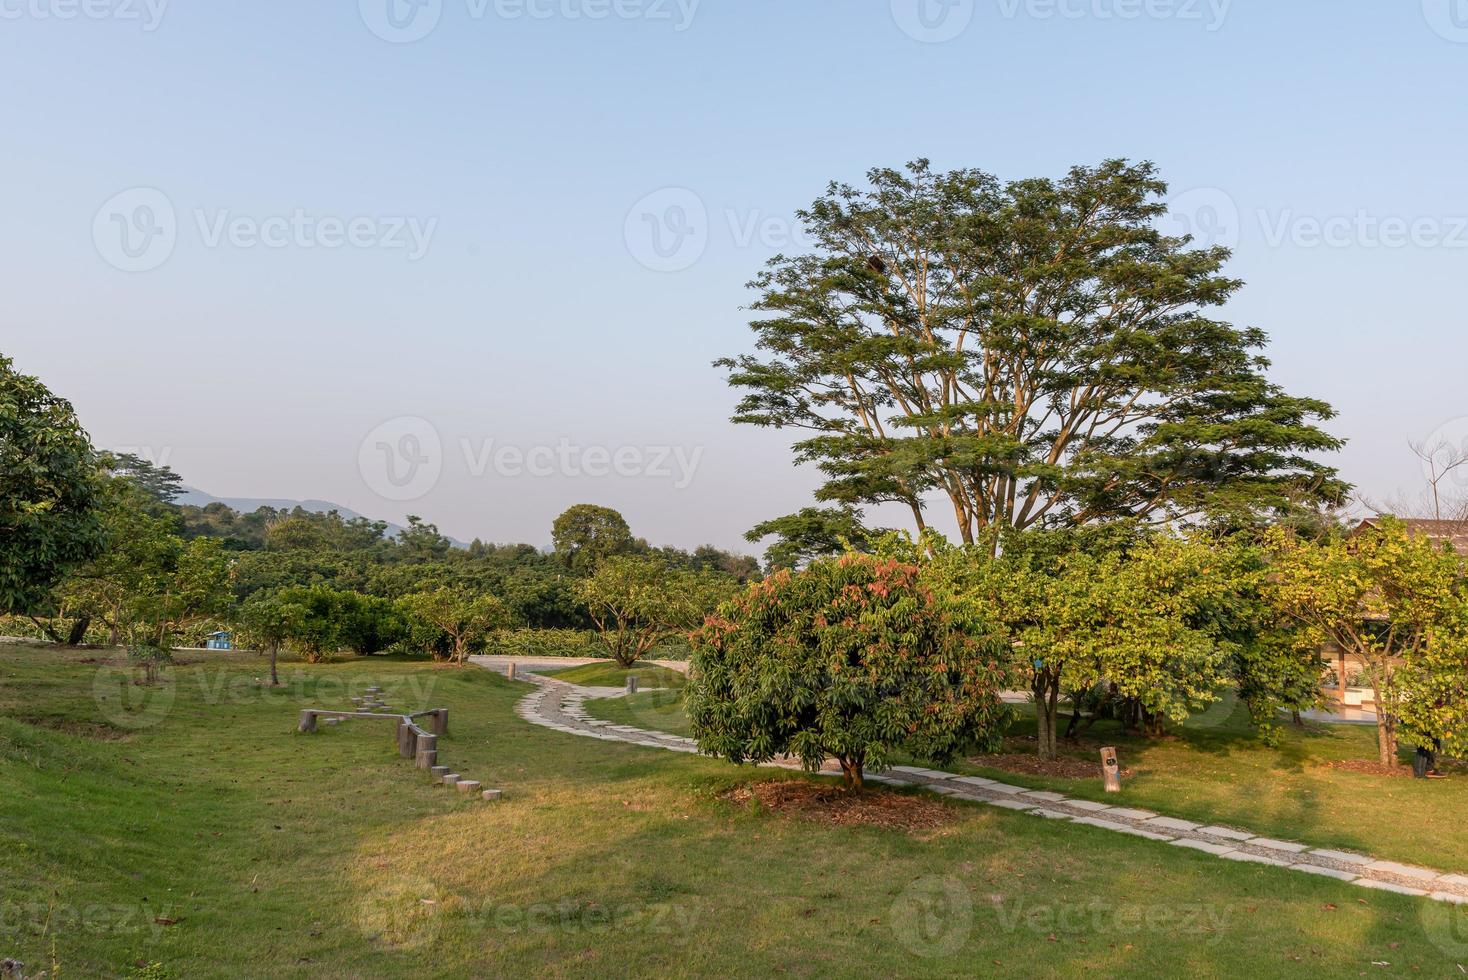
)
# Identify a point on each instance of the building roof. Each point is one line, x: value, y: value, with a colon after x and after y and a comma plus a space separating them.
x: 1454, y: 533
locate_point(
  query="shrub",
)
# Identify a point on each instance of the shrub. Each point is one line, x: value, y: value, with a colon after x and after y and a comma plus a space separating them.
x: 854, y: 658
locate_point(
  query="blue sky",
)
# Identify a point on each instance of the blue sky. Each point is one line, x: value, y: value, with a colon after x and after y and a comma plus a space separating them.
x: 449, y: 229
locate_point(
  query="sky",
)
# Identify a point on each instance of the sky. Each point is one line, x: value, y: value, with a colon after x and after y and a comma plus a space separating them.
x: 472, y: 259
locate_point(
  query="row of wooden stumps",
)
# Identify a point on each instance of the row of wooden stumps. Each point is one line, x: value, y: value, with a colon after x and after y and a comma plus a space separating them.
x: 414, y: 741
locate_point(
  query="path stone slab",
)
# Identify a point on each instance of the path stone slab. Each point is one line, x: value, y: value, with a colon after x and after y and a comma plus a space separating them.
x: 1125, y: 813
x: 1046, y: 795
x: 1449, y: 897
x: 1202, y: 845
x: 974, y: 781
x: 1460, y: 881
x: 1387, y: 886
x: 1255, y: 858
x: 1010, y: 804
x: 1276, y: 845
x: 1050, y: 814
x: 1404, y: 870
x: 1315, y: 869
x: 1090, y: 805
x: 1171, y: 823
x: 1005, y: 788
x: 1121, y: 828
x: 1227, y: 833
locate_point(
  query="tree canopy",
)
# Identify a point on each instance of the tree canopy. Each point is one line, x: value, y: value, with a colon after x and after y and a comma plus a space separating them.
x: 1036, y: 352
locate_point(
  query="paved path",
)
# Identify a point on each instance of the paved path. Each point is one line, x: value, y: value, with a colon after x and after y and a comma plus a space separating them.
x: 559, y: 706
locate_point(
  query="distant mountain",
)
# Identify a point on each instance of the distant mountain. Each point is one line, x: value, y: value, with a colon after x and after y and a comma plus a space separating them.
x: 247, y: 505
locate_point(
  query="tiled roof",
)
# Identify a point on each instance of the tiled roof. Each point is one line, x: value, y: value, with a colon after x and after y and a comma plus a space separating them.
x: 1454, y: 533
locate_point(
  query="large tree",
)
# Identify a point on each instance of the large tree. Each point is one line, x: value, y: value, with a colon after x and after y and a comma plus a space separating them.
x: 587, y: 533
x: 1036, y: 352
x: 50, y: 484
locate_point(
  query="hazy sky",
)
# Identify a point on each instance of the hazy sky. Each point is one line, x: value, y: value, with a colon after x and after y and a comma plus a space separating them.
x: 242, y: 235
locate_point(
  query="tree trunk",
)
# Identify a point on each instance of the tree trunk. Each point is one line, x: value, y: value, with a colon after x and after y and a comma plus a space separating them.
x: 1386, y: 727
x: 274, y: 654
x: 851, y: 771
x: 1046, y: 688
x: 78, y: 631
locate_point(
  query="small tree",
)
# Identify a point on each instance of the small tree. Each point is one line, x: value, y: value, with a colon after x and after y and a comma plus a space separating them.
x: 270, y: 621
x: 315, y: 626
x: 1390, y: 598
x: 856, y: 658
x: 465, y: 618
x: 637, y: 603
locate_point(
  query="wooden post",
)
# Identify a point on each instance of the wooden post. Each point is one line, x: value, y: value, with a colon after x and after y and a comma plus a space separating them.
x: 1110, y: 771
x: 631, y: 683
x: 510, y: 671
x: 427, y: 751
x: 440, y: 721
x: 308, y: 720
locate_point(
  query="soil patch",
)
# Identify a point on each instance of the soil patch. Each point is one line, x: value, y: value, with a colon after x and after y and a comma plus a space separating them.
x: 1029, y: 764
x: 831, y: 805
x: 82, y: 729
x: 1366, y: 767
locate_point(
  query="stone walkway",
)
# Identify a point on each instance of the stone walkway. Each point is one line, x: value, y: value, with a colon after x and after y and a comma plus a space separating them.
x: 559, y: 706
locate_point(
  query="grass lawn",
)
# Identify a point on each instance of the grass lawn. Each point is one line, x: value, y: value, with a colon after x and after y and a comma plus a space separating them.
x: 193, y: 833
x: 608, y: 674
x: 1214, y: 770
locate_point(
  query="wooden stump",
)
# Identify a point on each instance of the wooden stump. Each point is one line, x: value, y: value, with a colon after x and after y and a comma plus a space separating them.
x: 450, y: 778
x: 467, y: 786
x: 308, y: 721
x: 427, y: 756
x: 1110, y: 771
x: 492, y: 794
x: 438, y: 772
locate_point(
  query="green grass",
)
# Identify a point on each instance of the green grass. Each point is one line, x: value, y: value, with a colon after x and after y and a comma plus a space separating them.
x: 608, y: 674
x: 326, y: 855
x: 1214, y: 770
